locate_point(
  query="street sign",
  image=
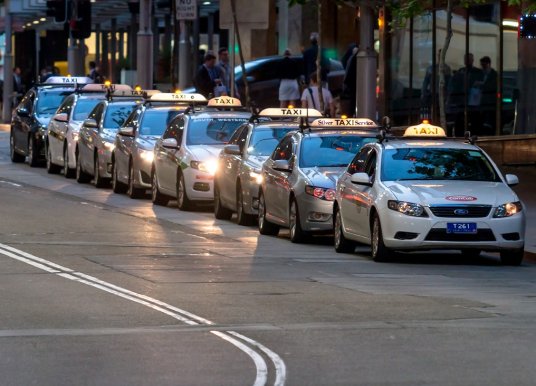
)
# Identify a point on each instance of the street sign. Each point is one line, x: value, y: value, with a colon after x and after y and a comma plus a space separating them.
x: 186, y: 9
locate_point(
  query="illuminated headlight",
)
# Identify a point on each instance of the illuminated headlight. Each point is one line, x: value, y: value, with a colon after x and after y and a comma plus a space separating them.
x: 407, y: 208
x: 109, y: 146
x: 74, y: 136
x: 210, y: 166
x: 508, y: 209
x: 321, y: 193
x: 146, y: 155
x: 256, y: 177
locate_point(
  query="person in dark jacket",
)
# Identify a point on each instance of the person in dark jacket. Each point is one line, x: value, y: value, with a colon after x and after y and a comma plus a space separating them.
x: 289, y: 90
x: 488, y: 102
x: 309, y: 60
x: 208, y: 76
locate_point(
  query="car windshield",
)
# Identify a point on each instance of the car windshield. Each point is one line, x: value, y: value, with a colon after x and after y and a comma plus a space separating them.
x: 48, y: 101
x: 83, y: 107
x: 155, y: 121
x: 116, y: 115
x: 330, y: 150
x: 421, y: 163
x: 212, y: 131
x: 264, y: 141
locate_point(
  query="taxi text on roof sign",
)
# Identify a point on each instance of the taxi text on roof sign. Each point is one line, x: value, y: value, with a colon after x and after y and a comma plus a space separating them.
x: 97, y: 87
x: 178, y: 97
x: 425, y: 130
x: 346, y: 122
x: 68, y: 80
x: 283, y: 112
x: 224, y: 101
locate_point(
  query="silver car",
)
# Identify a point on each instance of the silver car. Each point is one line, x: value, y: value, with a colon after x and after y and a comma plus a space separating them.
x: 97, y: 136
x: 298, y: 180
x: 236, y: 183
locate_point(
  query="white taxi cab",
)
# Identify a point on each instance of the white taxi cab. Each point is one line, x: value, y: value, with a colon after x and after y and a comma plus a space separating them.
x: 186, y: 157
x: 423, y: 192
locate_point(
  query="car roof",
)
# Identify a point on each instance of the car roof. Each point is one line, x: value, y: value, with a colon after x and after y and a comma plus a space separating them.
x: 443, y: 143
x: 267, y: 125
x: 165, y: 107
x: 204, y: 114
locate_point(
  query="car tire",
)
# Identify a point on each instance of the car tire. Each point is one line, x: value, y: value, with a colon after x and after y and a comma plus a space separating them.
x: 67, y: 171
x: 52, y: 168
x: 132, y: 191
x: 15, y: 157
x: 242, y: 218
x: 117, y: 186
x: 380, y: 252
x: 512, y: 256
x: 342, y: 244
x: 33, y: 153
x: 98, y: 180
x: 156, y: 197
x: 297, y: 234
x: 220, y: 212
x: 265, y: 227
x: 81, y: 176
x: 183, y: 202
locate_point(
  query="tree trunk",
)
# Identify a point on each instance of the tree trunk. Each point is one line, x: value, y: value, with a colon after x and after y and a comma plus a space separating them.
x: 319, y: 59
x: 237, y: 32
x: 446, y: 43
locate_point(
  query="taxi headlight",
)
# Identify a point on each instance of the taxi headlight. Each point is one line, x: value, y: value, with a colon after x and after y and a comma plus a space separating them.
x: 146, y: 155
x: 109, y: 146
x: 321, y: 193
x: 508, y: 209
x: 210, y: 166
x: 256, y: 177
x: 407, y: 208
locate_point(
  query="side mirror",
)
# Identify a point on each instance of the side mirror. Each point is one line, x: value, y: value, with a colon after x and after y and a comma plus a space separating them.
x: 23, y: 112
x: 232, y: 150
x: 170, y: 143
x: 282, y: 165
x: 62, y: 117
x: 361, y: 179
x: 127, y: 131
x: 512, y: 180
x: 91, y: 123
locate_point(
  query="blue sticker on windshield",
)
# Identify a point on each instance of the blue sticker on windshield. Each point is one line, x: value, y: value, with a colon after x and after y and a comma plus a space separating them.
x: 473, y: 153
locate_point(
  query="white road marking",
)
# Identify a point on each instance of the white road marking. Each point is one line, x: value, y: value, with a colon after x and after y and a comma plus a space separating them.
x: 10, y: 183
x: 157, y: 305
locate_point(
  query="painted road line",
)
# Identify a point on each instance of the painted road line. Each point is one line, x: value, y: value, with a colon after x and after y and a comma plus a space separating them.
x: 157, y: 305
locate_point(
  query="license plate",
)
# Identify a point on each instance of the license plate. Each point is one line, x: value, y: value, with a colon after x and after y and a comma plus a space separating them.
x: 461, y: 227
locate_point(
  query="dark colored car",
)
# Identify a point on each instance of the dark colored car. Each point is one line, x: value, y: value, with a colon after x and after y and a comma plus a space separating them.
x: 263, y: 79
x: 32, y: 115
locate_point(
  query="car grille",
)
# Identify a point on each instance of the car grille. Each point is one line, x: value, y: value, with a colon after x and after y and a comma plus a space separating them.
x: 461, y: 211
x: 442, y: 235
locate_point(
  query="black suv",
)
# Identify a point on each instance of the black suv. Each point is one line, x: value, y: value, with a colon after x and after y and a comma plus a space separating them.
x: 30, y: 118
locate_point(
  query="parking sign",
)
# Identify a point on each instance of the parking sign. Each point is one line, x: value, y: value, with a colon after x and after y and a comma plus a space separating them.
x: 186, y: 9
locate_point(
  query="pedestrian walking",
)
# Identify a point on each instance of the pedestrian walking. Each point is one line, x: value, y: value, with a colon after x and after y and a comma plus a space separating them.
x: 488, y: 102
x: 289, y: 90
x: 311, y: 99
x: 309, y: 60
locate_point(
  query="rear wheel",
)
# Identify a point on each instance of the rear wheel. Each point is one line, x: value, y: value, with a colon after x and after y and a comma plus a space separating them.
x: 342, y: 244
x: 156, y: 197
x: 241, y: 216
x: 117, y: 186
x: 81, y: 176
x: 51, y: 167
x: 220, y: 212
x: 297, y: 234
x: 15, y: 157
x: 512, y: 256
x: 265, y: 227
x: 379, y: 251
x: 98, y: 180
x: 183, y: 202
x: 33, y: 152
x: 67, y: 171
x: 132, y: 191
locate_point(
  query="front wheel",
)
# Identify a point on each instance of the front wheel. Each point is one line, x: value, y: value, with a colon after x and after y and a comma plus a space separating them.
x: 265, y: 227
x: 220, y: 212
x: 52, y: 168
x: 33, y: 152
x: 342, y: 244
x: 183, y: 202
x: 133, y: 192
x: 379, y: 251
x: 117, y: 186
x: 156, y: 197
x: 98, y: 180
x: 81, y: 176
x: 512, y: 256
x: 297, y: 234
x: 67, y: 171
x: 242, y: 217
x: 15, y: 157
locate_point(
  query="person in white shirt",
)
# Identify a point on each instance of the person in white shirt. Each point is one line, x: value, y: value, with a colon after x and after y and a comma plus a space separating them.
x: 311, y: 99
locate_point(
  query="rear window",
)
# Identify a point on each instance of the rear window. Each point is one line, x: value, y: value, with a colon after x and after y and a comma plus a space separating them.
x: 116, y: 115
x: 263, y: 142
x: 155, y: 121
x: 83, y: 108
x: 48, y: 101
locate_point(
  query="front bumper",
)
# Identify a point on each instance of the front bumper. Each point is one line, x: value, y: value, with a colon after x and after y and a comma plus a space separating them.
x: 199, y: 185
x: 316, y: 215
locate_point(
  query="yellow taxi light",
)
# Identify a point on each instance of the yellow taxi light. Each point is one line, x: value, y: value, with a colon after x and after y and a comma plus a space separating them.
x: 290, y: 113
x: 107, y: 83
x: 137, y: 88
x: 224, y: 101
x: 344, y: 116
x: 290, y: 106
x: 344, y: 123
x: 182, y: 97
x: 425, y: 130
x: 178, y: 91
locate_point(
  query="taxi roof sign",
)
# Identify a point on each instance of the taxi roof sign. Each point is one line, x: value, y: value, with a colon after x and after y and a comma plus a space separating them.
x: 224, y: 101
x: 290, y: 113
x: 132, y: 93
x: 68, y: 80
x: 362, y: 123
x: 425, y: 130
x: 99, y: 87
x: 178, y: 97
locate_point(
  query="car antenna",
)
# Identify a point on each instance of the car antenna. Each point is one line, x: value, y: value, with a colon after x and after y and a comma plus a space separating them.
x: 385, y: 130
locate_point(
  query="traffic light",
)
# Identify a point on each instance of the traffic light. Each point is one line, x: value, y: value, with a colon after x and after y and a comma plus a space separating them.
x: 57, y: 9
x: 80, y: 22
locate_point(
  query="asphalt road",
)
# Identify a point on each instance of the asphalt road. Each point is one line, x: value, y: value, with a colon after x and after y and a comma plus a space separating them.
x: 99, y: 289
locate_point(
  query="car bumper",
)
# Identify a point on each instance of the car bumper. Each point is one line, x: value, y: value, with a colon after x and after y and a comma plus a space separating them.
x: 493, y: 234
x: 199, y: 185
x: 316, y: 215
x: 105, y: 160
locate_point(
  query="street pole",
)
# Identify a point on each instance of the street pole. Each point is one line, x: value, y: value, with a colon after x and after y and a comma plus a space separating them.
x: 233, y: 61
x: 185, y: 56
x: 283, y: 27
x: 8, y: 67
x: 144, y: 71
x: 366, y: 64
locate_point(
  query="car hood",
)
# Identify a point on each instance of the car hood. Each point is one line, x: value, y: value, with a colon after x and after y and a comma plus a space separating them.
x: 43, y: 121
x: 205, y: 152
x: 452, y: 193
x: 108, y: 135
x: 323, y: 177
x: 256, y: 161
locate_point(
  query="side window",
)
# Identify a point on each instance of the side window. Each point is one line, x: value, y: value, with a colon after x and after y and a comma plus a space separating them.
x: 284, y: 150
x: 236, y: 135
x: 27, y: 102
x: 370, y: 165
x: 132, y: 120
x: 96, y: 113
x: 66, y: 106
x: 175, y: 130
x: 359, y: 161
x: 242, y: 138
